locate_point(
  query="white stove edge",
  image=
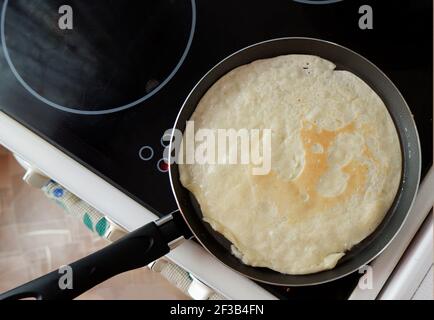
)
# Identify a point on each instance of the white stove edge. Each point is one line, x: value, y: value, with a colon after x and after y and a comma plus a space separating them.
x: 190, y: 256
x: 412, y: 270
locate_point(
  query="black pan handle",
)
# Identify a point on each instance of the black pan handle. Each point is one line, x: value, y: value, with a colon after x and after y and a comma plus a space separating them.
x: 135, y: 250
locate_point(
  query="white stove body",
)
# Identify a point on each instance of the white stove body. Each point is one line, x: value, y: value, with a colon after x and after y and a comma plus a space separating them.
x: 192, y: 257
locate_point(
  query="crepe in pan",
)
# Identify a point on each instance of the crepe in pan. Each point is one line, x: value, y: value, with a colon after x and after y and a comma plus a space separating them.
x: 335, y: 163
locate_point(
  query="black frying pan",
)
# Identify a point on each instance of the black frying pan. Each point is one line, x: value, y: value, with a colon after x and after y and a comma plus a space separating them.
x: 152, y: 241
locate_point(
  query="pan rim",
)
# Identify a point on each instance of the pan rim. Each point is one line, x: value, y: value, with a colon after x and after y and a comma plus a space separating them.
x: 415, y: 192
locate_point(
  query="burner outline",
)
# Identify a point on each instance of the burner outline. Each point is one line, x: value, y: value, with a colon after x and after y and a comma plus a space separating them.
x: 317, y: 1
x: 98, y: 112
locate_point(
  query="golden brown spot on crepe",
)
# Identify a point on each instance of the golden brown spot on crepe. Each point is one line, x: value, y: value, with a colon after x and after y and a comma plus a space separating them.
x: 279, y: 190
x: 316, y: 164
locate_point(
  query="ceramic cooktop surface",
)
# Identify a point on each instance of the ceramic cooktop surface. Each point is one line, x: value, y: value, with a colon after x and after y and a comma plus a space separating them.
x: 103, y: 80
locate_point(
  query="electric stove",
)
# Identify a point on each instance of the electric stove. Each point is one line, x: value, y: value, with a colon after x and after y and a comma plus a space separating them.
x: 103, y: 80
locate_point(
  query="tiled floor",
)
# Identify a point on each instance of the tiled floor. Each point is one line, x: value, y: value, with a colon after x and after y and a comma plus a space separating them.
x: 36, y: 236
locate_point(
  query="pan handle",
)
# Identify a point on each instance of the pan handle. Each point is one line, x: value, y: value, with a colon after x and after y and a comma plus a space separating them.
x: 135, y: 250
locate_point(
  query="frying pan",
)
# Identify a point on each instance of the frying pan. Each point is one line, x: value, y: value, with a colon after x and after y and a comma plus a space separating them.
x: 155, y: 239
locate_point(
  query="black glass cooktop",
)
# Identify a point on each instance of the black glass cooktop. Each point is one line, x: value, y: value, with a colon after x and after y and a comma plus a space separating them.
x: 103, y: 80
